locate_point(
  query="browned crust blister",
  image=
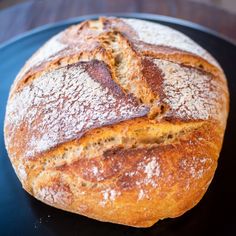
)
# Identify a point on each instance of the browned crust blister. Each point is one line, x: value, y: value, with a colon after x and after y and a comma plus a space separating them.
x: 105, y: 123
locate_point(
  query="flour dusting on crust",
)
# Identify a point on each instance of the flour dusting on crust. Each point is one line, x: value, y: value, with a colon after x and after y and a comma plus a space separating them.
x: 151, y: 169
x: 45, y: 53
x: 55, y: 195
x: 22, y: 172
x: 60, y: 105
x: 141, y: 194
x: 109, y: 195
x: 157, y: 34
x: 189, y: 93
x: 196, y: 166
x: 52, y: 47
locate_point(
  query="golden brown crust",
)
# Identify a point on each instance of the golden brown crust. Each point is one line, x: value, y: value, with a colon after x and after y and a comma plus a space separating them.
x: 112, y: 120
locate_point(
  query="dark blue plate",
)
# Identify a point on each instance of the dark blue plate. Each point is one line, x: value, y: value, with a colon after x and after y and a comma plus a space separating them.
x: 21, y: 214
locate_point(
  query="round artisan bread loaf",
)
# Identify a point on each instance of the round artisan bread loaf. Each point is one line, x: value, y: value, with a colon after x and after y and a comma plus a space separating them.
x: 120, y: 120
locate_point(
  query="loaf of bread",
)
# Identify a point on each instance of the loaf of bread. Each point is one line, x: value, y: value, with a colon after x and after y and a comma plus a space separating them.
x: 119, y: 120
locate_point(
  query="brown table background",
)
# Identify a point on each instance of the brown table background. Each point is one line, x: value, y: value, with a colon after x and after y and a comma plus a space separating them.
x: 30, y: 14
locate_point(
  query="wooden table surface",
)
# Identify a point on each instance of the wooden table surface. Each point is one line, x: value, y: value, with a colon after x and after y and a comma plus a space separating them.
x: 30, y: 14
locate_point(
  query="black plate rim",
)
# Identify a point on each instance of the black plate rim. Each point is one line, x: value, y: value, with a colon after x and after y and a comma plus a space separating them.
x: 143, y: 16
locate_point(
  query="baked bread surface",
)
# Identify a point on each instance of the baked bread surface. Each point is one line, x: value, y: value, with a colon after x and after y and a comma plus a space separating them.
x: 120, y: 120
